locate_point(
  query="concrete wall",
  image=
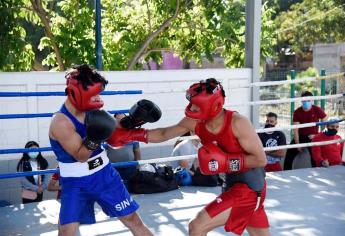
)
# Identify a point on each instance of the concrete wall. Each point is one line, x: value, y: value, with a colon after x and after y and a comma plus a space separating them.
x: 166, y: 88
x: 328, y: 57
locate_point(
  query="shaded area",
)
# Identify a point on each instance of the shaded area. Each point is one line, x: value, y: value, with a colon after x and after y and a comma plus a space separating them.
x: 308, y: 202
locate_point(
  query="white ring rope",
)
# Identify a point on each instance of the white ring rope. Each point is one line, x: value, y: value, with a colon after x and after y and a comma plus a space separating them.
x: 270, y: 102
x: 289, y: 127
x: 265, y: 102
x: 274, y: 83
x: 286, y: 100
x: 260, y: 84
x: 264, y: 130
x: 185, y: 157
x: 282, y: 82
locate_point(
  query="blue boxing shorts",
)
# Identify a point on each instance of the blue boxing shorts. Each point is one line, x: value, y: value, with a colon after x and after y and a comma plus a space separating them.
x: 79, y: 194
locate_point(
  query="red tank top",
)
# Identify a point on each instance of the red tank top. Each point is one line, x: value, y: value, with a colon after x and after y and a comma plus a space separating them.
x: 225, y: 138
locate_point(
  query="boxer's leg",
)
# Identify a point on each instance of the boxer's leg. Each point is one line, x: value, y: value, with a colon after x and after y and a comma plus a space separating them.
x: 68, y: 229
x: 135, y: 225
x: 258, y: 231
x: 203, y: 223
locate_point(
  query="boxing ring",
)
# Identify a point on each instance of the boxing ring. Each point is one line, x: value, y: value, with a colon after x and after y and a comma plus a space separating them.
x: 305, y: 202
x: 299, y: 202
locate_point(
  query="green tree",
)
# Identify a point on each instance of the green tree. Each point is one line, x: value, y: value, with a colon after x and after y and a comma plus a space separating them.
x: 140, y: 31
x: 15, y: 53
x: 134, y: 32
x: 311, y: 22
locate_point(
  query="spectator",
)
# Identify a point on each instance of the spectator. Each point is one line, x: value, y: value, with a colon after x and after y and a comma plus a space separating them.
x: 306, y: 113
x: 273, y: 139
x: 129, y: 152
x: 32, y: 186
x: 186, y: 147
x: 190, y: 174
x: 54, y: 185
x: 183, y: 168
x: 328, y: 155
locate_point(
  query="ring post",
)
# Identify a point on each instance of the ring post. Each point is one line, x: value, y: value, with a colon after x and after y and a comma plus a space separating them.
x: 316, y: 93
x: 292, y: 94
x: 323, y: 89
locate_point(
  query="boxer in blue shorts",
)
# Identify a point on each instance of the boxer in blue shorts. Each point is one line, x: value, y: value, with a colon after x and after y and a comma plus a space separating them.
x: 76, y: 133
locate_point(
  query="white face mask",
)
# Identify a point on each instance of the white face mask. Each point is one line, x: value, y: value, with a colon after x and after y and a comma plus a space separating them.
x: 33, y: 155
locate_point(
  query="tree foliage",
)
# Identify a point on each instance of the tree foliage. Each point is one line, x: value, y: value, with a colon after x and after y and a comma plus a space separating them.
x: 15, y: 53
x: 310, y: 22
x: 133, y: 32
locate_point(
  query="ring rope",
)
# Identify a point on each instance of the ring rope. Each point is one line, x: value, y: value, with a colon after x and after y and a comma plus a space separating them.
x: 25, y: 150
x: 263, y: 84
x: 36, y: 115
x: 286, y: 100
x: 295, y: 81
x: 165, y: 159
x: 321, y: 123
x: 44, y: 94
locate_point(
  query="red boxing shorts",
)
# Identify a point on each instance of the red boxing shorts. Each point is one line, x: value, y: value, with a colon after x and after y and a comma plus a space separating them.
x: 273, y: 167
x: 243, y: 201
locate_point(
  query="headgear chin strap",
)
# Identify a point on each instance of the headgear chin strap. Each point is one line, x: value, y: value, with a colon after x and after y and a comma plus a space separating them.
x: 81, y: 98
x: 208, y: 97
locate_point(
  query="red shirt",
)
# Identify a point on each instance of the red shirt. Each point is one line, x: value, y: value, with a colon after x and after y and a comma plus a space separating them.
x: 331, y: 152
x: 315, y: 114
x: 225, y: 138
x: 56, y: 177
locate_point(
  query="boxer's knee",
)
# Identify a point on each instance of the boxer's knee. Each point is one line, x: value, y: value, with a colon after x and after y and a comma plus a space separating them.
x: 132, y: 221
x: 68, y: 229
x: 196, y: 226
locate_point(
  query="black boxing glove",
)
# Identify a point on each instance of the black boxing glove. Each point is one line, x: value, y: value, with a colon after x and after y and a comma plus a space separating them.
x: 140, y: 113
x: 99, y: 126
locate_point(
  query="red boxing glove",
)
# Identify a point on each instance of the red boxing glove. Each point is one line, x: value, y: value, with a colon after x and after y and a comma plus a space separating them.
x: 212, y: 160
x: 122, y: 136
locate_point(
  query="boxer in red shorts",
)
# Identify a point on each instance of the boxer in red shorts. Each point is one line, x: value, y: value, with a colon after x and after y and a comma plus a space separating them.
x: 231, y: 146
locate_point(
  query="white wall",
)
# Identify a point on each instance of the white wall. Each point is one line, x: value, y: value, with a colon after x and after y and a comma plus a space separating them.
x: 165, y: 88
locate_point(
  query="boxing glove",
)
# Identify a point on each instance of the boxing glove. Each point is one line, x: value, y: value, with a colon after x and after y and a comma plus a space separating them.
x: 122, y: 136
x: 183, y: 177
x: 99, y: 126
x: 212, y: 160
x: 140, y: 113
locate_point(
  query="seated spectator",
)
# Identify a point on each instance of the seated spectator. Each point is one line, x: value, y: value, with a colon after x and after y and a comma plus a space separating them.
x: 183, y: 168
x: 32, y: 186
x: 328, y: 155
x: 186, y: 147
x: 129, y: 152
x: 306, y: 113
x: 54, y: 185
x: 188, y: 171
x: 273, y: 139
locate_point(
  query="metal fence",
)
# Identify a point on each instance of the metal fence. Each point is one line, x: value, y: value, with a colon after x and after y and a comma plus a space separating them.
x: 332, y: 107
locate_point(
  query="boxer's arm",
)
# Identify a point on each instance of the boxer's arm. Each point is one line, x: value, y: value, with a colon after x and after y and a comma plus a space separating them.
x: 63, y: 131
x: 163, y: 134
x: 249, y: 141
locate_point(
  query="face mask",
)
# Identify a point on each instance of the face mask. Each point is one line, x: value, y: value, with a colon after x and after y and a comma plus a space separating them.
x: 33, y: 155
x: 269, y: 126
x: 306, y: 105
x: 331, y: 132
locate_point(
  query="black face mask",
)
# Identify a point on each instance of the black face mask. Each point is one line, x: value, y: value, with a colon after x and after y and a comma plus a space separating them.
x: 269, y: 126
x: 331, y: 132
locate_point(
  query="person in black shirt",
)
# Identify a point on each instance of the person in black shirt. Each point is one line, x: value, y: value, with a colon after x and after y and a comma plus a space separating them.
x: 272, y: 139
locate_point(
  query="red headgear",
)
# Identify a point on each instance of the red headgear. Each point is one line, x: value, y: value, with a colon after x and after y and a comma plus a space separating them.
x: 208, y: 96
x: 81, y: 98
